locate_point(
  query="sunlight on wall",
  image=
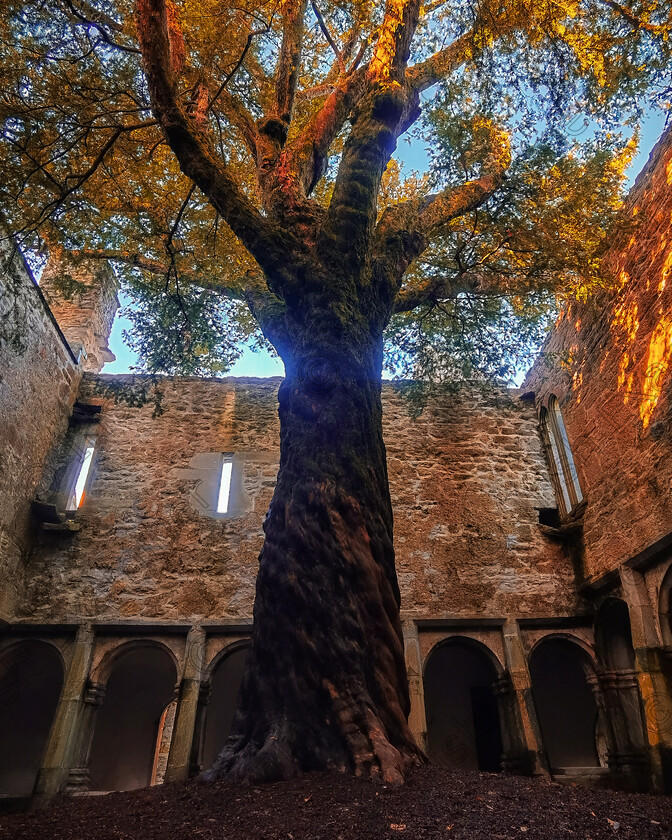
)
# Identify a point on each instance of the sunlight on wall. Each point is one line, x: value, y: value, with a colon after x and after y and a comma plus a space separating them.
x: 667, y: 268
x: 626, y: 320
x: 658, y: 363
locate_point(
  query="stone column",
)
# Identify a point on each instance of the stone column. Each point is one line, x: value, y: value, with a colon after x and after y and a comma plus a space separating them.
x: 179, y: 757
x: 509, y: 725
x: 617, y: 694
x: 198, y: 745
x: 79, y: 780
x: 61, y: 749
x: 417, y: 720
x: 527, y: 756
x: 656, y: 702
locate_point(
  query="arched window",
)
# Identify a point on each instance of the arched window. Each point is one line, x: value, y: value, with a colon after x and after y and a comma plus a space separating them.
x: 561, y: 462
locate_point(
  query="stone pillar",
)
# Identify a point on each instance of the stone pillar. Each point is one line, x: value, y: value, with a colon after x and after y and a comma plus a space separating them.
x: 198, y: 745
x: 526, y: 746
x: 79, y: 780
x: 512, y: 748
x: 417, y: 720
x: 617, y: 693
x: 63, y: 738
x: 179, y: 757
x: 656, y: 696
x: 654, y: 690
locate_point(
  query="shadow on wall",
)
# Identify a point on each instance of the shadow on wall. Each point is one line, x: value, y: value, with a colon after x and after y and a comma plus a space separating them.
x: 31, y: 679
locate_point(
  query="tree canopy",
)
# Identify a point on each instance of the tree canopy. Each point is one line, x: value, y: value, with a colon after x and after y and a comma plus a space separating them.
x: 510, y: 211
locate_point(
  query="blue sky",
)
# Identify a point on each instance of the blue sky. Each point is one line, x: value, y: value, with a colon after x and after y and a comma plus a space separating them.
x: 261, y: 363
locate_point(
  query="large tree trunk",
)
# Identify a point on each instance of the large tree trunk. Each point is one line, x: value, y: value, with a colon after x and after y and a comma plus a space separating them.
x: 325, y: 686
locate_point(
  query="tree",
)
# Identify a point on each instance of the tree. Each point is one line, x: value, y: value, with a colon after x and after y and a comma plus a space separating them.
x: 283, y: 119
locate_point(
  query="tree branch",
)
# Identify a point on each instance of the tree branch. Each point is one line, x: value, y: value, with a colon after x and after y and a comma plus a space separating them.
x: 233, y: 108
x: 438, y: 210
x: 392, y: 50
x: 289, y: 60
x: 236, y: 113
x: 195, y: 155
x: 427, y: 73
x: 632, y: 19
x: 137, y: 260
x: 329, y: 38
x: 405, y: 230
x: 308, y: 152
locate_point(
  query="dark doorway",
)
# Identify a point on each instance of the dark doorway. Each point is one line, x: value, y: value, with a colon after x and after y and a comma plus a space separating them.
x: 224, y: 685
x: 463, y: 730
x: 31, y: 679
x: 138, y: 690
x: 614, y: 636
x: 564, y: 703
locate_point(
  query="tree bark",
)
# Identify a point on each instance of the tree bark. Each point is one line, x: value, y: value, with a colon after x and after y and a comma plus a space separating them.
x: 325, y: 687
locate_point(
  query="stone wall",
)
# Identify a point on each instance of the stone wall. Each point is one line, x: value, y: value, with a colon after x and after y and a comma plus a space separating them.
x: 608, y: 363
x: 467, y: 476
x: 38, y: 382
x: 82, y: 296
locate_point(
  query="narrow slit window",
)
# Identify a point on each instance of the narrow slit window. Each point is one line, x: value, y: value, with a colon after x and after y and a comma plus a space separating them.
x: 561, y: 462
x: 77, y: 496
x: 223, y: 497
x: 566, y: 458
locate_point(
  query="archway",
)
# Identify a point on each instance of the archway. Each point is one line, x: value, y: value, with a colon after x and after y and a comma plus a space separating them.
x: 613, y: 636
x: 225, y: 680
x: 463, y: 727
x: 139, y: 688
x: 565, y: 703
x: 31, y: 679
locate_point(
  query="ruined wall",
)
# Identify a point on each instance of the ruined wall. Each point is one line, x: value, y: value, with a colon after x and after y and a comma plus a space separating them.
x: 467, y: 477
x: 83, y: 298
x: 38, y: 382
x: 608, y: 363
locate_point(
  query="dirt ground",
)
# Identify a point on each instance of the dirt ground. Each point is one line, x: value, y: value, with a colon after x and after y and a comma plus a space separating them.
x: 434, y: 803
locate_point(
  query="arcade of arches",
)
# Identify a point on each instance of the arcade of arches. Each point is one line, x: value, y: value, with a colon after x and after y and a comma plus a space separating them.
x: 508, y: 695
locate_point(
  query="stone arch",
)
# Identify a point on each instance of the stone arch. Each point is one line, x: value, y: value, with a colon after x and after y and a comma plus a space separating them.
x: 562, y: 670
x: 31, y: 680
x: 223, y: 679
x: 461, y: 705
x: 140, y: 678
x: 589, y: 662
x: 100, y: 673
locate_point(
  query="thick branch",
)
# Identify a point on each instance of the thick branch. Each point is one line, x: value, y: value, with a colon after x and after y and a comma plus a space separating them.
x: 405, y: 230
x: 393, y: 47
x: 632, y: 19
x: 268, y: 311
x: 194, y: 153
x: 308, y: 153
x: 289, y: 60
